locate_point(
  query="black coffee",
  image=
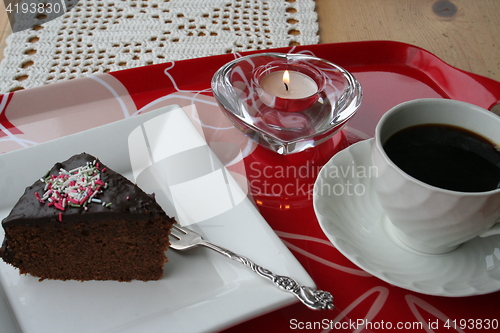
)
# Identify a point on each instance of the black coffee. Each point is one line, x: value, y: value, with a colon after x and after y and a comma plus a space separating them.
x: 445, y: 156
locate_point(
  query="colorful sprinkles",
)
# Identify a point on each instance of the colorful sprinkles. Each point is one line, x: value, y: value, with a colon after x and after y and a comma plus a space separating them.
x: 75, y: 188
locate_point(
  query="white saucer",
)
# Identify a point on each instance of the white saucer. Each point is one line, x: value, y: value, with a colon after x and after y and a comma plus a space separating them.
x: 350, y: 215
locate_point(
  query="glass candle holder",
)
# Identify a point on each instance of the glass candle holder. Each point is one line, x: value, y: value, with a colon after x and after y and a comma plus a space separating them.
x: 286, y: 102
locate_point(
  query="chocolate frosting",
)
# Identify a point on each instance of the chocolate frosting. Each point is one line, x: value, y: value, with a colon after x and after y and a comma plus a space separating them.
x: 125, y: 197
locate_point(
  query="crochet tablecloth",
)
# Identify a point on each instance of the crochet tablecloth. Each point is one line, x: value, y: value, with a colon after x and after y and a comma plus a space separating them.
x: 101, y: 36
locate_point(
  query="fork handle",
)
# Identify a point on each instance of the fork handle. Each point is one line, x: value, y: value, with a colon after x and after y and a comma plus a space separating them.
x: 314, y: 299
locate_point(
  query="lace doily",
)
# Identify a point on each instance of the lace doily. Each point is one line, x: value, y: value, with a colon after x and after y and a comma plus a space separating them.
x: 109, y: 35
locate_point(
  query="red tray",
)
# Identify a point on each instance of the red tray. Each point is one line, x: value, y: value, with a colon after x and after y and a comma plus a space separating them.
x: 389, y: 72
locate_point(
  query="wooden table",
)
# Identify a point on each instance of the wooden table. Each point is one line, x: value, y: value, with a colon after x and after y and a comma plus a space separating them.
x: 463, y: 33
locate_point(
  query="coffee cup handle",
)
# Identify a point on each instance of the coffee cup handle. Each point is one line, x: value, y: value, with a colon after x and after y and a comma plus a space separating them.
x: 494, y: 230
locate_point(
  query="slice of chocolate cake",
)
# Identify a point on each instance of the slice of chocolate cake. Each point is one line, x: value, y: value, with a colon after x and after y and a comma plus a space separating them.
x: 83, y: 221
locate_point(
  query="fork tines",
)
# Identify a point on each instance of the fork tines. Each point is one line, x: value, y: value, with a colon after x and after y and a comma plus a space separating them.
x: 177, y: 231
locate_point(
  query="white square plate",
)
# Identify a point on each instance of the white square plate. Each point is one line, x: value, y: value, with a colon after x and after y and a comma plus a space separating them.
x: 201, y: 290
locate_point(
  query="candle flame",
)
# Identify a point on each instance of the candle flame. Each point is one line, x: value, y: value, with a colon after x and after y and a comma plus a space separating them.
x: 286, y: 79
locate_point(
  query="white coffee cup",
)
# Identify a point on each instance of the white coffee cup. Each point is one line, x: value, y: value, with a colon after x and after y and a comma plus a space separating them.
x: 424, y: 217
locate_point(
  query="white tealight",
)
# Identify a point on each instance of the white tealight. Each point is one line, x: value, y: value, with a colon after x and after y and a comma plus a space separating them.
x: 298, y: 86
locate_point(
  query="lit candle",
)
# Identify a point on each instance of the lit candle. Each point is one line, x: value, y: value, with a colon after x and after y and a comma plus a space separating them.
x: 289, y: 85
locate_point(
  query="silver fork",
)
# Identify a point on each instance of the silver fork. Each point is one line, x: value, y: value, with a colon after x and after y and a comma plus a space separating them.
x: 184, y: 239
